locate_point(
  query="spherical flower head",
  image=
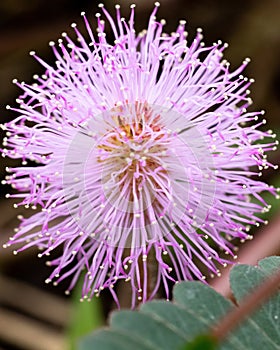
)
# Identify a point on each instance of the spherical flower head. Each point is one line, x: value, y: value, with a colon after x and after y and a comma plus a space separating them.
x: 147, y: 158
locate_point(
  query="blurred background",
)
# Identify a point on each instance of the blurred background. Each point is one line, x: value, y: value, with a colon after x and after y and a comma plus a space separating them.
x: 36, y: 316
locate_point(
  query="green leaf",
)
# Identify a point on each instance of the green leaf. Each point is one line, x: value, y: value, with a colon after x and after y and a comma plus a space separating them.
x: 266, y: 321
x: 202, y: 342
x: 183, y: 324
x: 85, y: 317
x: 113, y: 339
x: 148, y: 329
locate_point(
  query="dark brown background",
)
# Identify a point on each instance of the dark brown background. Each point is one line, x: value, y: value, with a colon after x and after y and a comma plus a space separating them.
x: 33, y: 315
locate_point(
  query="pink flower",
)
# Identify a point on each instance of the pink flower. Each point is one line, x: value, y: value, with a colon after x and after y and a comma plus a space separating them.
x: 147, y: 158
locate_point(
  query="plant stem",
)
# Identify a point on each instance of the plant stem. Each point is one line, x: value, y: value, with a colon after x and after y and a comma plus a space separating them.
x: 152, y: 271
x: 246, y: 307
x: 151, y: 274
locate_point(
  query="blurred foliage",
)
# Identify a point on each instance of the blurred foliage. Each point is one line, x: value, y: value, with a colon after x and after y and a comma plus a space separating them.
x: 85, y: 315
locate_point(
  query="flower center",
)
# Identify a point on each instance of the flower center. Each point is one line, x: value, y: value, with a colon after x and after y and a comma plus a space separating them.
x: 132, y: 154
x: 137, y: 143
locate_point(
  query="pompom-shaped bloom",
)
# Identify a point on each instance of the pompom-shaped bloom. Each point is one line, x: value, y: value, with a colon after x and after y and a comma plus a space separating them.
x: 147, y: 158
